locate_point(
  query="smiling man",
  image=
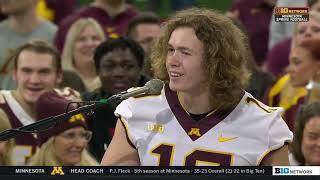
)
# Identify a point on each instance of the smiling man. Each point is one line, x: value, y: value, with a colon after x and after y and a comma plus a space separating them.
x: 37, y: 69
x: 119, y: 65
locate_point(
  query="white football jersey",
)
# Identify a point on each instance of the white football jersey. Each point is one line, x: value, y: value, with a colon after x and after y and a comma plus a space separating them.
x: 164, y: 133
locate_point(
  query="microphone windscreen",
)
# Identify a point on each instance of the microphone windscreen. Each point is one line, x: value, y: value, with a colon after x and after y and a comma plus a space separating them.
x: 155, y: 86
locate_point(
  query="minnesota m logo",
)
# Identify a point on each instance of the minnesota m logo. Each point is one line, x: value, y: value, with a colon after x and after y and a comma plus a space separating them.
x: 195, y: 132
x: 76, y: 118
x: 57, y: 170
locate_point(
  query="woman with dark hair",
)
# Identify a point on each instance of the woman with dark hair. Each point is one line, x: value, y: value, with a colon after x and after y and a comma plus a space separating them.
x: 305, y: 147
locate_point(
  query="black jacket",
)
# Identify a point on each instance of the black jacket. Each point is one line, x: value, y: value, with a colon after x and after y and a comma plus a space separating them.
x: 103, y: 121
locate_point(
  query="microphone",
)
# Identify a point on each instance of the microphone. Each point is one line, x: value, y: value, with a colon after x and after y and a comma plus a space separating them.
x: 152, y: 87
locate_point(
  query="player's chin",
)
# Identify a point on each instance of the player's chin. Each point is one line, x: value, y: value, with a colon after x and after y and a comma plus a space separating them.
x: 175, y: 86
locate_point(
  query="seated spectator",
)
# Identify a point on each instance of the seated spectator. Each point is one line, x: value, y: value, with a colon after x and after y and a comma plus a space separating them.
x: 306, y: 72
x: 306, y: 140
x: 113, y: 16
x: 282, y: 93
x: 37, y: 69
x: 6, y: 147
x: 304, y: 67
x: 77, y: 56
x: 119, y: 65
x: 23, y: 24
x: 144, y: 28
x: 65, y: 143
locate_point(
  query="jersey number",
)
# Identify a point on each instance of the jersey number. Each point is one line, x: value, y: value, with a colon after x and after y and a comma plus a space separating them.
x: 165, y: 153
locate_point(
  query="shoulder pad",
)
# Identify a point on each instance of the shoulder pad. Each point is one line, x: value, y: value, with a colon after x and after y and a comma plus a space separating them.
x: 260, y: 105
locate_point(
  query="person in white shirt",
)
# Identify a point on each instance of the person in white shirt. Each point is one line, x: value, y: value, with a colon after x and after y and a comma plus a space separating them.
x: 202, y: 115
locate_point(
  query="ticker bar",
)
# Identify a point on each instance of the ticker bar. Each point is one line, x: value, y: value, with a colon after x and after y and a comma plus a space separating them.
x: 132, y: 170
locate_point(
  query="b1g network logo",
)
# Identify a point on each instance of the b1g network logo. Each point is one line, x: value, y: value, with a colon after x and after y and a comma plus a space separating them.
x: 291, y: 14
x: 296, y: 170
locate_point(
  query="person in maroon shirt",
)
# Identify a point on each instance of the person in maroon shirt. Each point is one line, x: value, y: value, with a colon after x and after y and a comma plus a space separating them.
x: 255, y: 16
x: 112, y: 15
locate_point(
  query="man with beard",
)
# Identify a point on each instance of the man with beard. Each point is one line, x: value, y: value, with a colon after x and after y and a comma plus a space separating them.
x: 22, y: 24
x: 112, y: 15
x: 119, y: 65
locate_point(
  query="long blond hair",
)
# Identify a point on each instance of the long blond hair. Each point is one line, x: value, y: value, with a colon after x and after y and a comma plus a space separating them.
x: 226, y: 52
x: 45, y: 156
x: 6, y: 156
x: 76, y: 28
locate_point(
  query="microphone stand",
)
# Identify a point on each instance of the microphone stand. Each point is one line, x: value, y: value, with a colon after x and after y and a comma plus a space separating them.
x: 43, y: 124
